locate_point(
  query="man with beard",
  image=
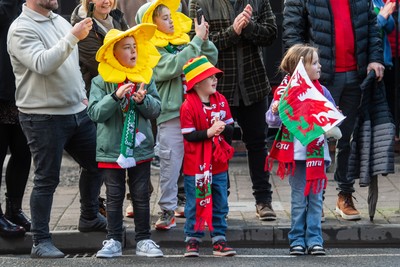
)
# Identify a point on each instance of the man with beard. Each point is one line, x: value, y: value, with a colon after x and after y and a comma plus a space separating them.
x: 51, y: 98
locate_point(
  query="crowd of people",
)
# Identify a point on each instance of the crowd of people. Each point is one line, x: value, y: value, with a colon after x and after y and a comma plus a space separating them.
x: 121, y: 85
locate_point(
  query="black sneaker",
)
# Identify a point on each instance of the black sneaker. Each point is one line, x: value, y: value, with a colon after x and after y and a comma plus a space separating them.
x: 297, y: 250
x: 317, y: 250
x: 221, y: 248
x: 192, y: 248
x: 98, y: 224
x: 265, y: 212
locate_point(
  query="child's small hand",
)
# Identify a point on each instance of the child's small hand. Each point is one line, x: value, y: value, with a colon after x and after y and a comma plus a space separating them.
x: 216, y: 129
x: 201, y: 29
x: 140, y: 94
x: 123, y: 90
x: 274, y: 106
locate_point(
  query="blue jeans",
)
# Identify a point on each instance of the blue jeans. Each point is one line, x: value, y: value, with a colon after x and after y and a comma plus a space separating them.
x: 219, y: 209
x: 48, y: 136
x: 306, y: 211
x: 138, y: 182
x: 346, y: 92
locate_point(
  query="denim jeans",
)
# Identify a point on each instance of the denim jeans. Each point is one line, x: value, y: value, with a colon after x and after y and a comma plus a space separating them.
x: 48, y: 136
x: 306, y: 211
x: 219, y: 208
x: 251, y: 120
x: 138, y: 182
x: 346, y: 92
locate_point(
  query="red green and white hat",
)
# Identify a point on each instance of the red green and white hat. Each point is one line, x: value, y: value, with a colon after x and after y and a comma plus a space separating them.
x: 198, y: 69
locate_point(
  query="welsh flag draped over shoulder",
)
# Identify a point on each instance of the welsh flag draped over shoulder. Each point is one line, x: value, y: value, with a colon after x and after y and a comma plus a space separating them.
x: 304, y: 110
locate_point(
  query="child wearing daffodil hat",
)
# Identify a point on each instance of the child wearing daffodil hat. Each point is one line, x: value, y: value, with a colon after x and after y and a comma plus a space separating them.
x: 176, y: 48
x: 123, y: 100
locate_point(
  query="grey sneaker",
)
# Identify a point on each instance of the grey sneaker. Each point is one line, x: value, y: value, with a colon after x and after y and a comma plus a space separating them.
x: 265, y: 212
x: 46, y: 249
x: 111, y: 248
x: 96, y: 225
x: 148, y: 248
x: 166, y: 220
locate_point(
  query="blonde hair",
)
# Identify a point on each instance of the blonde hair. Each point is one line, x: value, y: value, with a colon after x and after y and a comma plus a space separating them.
x: 85, y: 4
x: 292, y: 57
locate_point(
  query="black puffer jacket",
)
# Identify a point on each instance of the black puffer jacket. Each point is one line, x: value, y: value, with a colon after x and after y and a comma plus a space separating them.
x: 311, y: 21
x: 372, y: 144
x: 89, y: 46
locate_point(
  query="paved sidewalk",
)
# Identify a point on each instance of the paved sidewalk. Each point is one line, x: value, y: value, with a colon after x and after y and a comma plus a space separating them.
x: 245, y: 229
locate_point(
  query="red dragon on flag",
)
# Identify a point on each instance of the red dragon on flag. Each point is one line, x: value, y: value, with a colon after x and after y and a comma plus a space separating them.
x: 305, y: 111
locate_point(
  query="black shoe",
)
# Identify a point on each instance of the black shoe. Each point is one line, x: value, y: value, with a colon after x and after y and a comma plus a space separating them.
x: 8, y: 229
x: 98, y: 224
x: 15, y: 214
x: 297, y: 250
x: 265, y: 212
x: 317, y: 250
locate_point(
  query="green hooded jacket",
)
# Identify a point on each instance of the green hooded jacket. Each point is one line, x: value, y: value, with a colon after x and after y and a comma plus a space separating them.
x: 168, y: 71
x: 107, y: 113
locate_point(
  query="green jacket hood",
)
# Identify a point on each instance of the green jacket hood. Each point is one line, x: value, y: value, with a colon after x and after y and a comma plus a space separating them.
x: 140, y: 12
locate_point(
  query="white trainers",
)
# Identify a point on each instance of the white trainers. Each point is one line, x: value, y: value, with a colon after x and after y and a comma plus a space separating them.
x: 111, y: 248
x: 148, y: 248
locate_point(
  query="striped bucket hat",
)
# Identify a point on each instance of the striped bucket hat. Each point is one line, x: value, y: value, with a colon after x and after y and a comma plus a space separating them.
x: 198, y: 69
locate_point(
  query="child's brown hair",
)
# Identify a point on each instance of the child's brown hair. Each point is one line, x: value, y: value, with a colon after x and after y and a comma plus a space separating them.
x: 292, y: 57
x: 157, y: 10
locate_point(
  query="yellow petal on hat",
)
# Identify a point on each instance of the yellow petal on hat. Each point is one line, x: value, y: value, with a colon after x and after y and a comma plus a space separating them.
x: 147, y: 55
x: 182, y: 24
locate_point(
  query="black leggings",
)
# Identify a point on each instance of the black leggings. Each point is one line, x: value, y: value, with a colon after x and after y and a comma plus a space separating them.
x: 19, y: 164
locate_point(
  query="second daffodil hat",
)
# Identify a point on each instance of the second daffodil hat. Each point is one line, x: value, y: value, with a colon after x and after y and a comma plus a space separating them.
x: 198, y: 69
x: 182, y: 24
x: 147, y: 55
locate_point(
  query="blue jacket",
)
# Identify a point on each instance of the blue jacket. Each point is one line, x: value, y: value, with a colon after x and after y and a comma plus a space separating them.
x: 386, y: 26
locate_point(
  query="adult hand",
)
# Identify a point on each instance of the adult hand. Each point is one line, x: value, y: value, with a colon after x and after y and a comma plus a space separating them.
x: 201, y: 29
x: 378, y: 68
x: 242, y: 20
x: 387, y: 9
x: 82, y: 28
x: 140, y: 94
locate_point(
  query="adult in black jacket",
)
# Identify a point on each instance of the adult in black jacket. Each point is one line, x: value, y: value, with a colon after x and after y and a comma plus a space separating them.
x: 14, y: 222
x: 349, y: 45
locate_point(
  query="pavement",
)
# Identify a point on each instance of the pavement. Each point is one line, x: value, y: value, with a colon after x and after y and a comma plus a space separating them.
x: 244, y: 228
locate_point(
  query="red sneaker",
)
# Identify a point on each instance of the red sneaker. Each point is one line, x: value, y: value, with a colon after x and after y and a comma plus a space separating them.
x: 192, y: 248
x: 221, y: 248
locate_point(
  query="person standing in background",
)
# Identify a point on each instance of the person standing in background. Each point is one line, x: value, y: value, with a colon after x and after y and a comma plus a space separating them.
x: 51, y: 99
x: 347, y: 38
x: 239, y: 29
x: 14, y: 222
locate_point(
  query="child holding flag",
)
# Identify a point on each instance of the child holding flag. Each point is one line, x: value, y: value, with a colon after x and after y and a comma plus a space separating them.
x: 305, y: 161
x: 123, y: 100
x: 206, y: 123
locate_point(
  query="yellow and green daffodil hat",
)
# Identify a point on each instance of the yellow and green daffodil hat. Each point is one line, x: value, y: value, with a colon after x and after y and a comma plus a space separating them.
x: 147, y: 55
x: 182, y: 24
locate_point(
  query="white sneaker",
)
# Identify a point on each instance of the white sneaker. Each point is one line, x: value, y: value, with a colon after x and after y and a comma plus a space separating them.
x: 111, y: 248
x: 148, y: 248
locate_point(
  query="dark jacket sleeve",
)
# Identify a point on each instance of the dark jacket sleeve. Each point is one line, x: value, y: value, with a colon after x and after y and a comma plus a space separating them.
x: 224, y: 38
x: 295, y: 23
x: 262, y: 29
